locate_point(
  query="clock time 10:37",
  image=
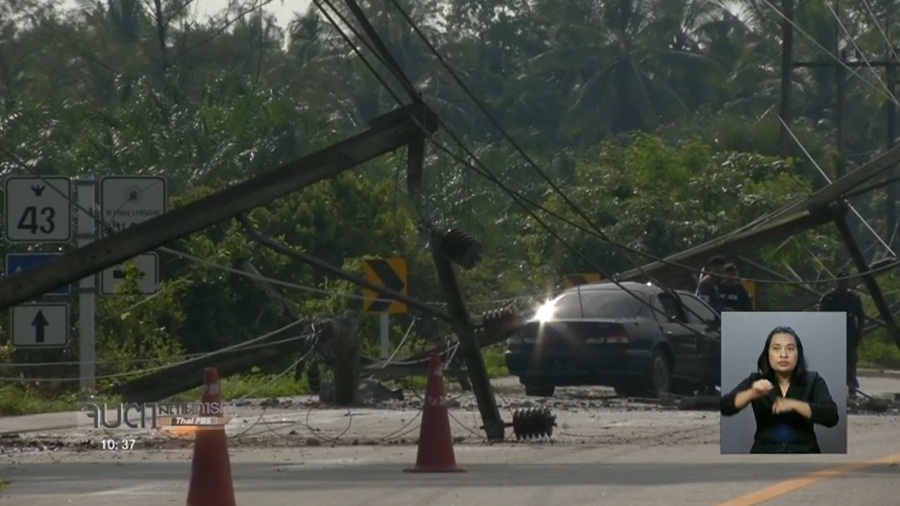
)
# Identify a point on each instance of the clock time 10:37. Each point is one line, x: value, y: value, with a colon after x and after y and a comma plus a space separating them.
x: 117, y: 444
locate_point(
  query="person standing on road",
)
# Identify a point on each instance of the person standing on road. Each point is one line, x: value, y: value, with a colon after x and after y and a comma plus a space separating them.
x: 732, y: 292
x: 788, y: 399
x: 710, y: 283
x: 843, y: 299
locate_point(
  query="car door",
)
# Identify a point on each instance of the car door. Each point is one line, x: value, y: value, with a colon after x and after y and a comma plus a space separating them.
x: 681, y: 336
x: 708, y: 338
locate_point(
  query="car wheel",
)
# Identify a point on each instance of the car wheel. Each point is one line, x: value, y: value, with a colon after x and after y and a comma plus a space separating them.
x: 539, y: 390
x: 661, y: 374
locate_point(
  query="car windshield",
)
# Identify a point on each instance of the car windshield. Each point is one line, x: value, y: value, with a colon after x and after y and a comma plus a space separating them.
x: 597, y: 304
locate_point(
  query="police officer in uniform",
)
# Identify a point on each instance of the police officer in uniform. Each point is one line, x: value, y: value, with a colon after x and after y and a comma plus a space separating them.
x: 842, y: 298
x: 710, y: 283
x: 733, y: 293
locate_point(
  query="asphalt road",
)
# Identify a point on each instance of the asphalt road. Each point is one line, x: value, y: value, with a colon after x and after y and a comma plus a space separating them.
x: 521, y: 475
x: 600, y: 455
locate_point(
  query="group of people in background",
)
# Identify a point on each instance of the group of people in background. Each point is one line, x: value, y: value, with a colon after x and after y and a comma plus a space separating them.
x: 722, y: 288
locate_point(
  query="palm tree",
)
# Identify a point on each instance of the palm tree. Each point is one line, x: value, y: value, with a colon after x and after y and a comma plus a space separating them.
x: 630, y: 64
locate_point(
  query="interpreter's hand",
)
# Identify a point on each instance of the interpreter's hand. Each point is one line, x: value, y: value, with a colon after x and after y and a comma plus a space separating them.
x: 762, y: 387
x: 783, y: 405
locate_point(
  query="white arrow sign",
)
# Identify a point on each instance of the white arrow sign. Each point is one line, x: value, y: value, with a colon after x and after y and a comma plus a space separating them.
x: 148, y: 270
x: 40, y: 325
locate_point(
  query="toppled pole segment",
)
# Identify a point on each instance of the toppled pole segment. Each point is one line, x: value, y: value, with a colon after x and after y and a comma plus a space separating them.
x: 730, y: 244
x: 392, y: 131
x: 871, y: 283
x: 468, y: 342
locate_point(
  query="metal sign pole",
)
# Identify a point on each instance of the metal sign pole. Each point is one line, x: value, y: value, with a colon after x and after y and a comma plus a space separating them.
x: 87, y: 286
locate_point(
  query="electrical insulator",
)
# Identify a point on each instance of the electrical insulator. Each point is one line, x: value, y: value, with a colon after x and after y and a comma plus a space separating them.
x: 462, y: 248
x: 533, y: 423
x: 502, y: 322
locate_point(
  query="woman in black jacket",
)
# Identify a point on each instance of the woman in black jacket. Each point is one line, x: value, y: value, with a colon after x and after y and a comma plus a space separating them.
x: 788, y: 400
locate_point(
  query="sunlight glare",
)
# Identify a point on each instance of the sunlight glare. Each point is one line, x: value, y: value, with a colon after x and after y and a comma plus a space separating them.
x: 545, y: 312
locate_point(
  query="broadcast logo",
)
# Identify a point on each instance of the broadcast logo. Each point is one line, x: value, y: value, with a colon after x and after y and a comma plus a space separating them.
x: 159, y: 416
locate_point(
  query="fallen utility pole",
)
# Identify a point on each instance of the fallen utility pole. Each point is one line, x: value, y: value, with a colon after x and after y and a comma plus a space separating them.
x: 808, y: 212
x: 838, y: 189
x: 392, y: 131
x: 871, y: 283
x: 729, y: 245
x: 183, y: 376
x: 494, y: 427
x: 814, y: 296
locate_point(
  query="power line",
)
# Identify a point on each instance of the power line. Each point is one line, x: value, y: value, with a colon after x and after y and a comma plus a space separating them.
x: 839, y: 61
x: 599, y: 233
x: 483, y: 170
x: 860, y: 53
x: 143, y: 371
x: 828, y: 180
x: 578, y: 210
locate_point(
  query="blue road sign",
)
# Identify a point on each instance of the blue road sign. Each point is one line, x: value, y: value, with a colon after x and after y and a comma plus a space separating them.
x: 16, y: 262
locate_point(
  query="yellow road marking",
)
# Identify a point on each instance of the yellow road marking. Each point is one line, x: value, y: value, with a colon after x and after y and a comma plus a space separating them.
x: 786, y: 487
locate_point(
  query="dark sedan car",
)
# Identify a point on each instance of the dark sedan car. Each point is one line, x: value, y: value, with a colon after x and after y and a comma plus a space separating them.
x: 637, y: 338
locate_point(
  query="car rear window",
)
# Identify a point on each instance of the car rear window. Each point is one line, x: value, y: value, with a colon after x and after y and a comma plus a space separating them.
x: 598, y: 304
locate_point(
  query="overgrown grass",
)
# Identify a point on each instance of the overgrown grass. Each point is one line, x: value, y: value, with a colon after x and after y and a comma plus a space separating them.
x: 495, y: 363
x: 254, y: 384
x: 880, y: 352
x: 18, y: 400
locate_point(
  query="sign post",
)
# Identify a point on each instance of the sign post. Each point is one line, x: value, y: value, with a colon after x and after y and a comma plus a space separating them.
x: 389, y: 273
x: 38, y: 210
x: 87, y: 287
x: 127, y: 201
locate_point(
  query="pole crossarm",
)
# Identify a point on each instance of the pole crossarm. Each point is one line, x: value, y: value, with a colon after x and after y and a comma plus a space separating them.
x: 392, y: 132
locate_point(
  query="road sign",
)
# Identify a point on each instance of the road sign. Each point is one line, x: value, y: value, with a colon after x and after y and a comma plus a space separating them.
x: 16, y: 262
x: 148, y: 267
x: 40, y: 325
x: 389, y: 273
x: 570, y: 280
x: 129, y: 200
x: 38, y: 209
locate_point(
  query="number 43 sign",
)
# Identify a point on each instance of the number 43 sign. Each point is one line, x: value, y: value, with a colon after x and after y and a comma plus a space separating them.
x: 38, y: 209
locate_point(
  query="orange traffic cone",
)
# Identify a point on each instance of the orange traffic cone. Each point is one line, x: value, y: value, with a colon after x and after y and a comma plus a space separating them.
x: 211, y: 468
x: 435, y: 440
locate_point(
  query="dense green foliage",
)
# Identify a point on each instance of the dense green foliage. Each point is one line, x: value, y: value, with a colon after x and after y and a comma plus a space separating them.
x: 656, y: 118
